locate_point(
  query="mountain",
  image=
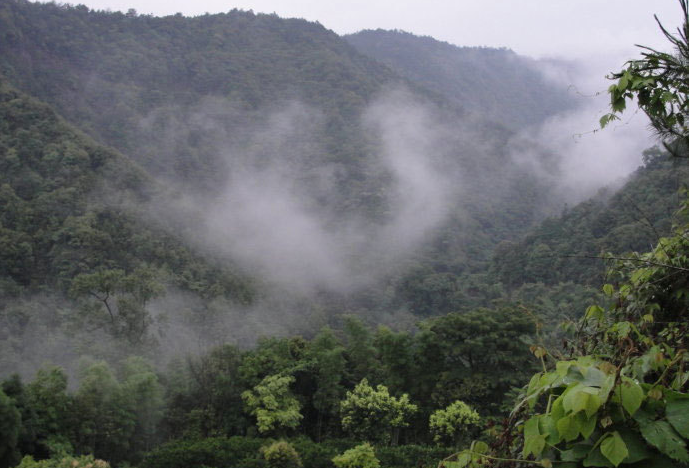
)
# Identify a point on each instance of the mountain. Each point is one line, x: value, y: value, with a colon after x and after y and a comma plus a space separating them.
x: 199, y: 102
x: 79, y: 263
x: 259, y: 172
x: 498, y: 83
x: 629, y: 219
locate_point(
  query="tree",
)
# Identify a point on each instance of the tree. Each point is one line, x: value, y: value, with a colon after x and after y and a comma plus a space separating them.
x: 16, y: 390
x: 273, y: 405
x: 143, y: 395
x: 10, y: 425
x: 476, y: 356
x: 327, y: 354
x: 106, y: 419
x: 361, y: 456
x: 86, y: 461
x: 53, y: 407
x: 373, y: 414
x: 205, y: 396
x: 360, y: 349
x: 281, y: 455
x: 124, y: 297
x: 450, y: 424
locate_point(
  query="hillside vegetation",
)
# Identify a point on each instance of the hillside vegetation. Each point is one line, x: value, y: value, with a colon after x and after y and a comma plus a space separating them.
x: 237, y: 240
x: 498, y: 83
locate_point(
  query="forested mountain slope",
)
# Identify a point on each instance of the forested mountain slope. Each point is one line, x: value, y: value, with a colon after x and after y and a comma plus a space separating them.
x: 76, y: 255
x: 203, y: 102
x: 136, y: 82
x: 178, y: 94
x: 498, y: 83
x: 629, y: 219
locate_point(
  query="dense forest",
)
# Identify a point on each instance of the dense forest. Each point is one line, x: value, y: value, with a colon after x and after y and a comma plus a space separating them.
x: 506, y: 87
x: 240, y: 240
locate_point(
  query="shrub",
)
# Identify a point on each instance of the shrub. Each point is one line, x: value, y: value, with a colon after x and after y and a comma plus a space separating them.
x: 281, y: 455
x: 362, y: 456
x: 86, y: 461
x: 450, y: 424
x: 212, y: 452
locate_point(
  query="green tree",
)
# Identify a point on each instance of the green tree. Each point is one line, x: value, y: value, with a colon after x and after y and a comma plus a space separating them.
x: 328, y: 356
x: 204, y: 396
x: 360, y: 351
x: 452, y: 424
x: 273, y: 405
x: 281, y: 455
x: 143, y: 394
x: 86, y: 461
x: 10, y: 425
x: 53, y: 406
x: 106, y: 421
x: 395, y: 353
x: 124, y: 297
x: 361, y: 456
x: 477, y: 356
x: 373, y: 414
x: 16, y: 390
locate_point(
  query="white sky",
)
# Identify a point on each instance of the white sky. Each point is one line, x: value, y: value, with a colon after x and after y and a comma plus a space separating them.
x: 570, y: 28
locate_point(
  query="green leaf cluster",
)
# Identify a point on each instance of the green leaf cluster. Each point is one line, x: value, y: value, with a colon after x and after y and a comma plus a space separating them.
x: 273, y: 405
x: 453, y: 421
x: 361, y: 456
x: 371, y: 414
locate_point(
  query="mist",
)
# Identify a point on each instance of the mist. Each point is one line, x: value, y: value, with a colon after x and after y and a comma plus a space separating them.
x: 274, y: 214
x: 586, y: 157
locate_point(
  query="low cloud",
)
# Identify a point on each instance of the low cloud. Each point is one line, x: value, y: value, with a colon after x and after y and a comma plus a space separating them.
x: 269, y: 217
x: 584, y: 157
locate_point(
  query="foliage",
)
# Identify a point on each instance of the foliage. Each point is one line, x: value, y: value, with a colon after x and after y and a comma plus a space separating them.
x: 57, y: 238
x: 496, y: 83
x: 211, y: 452
x: 10, y: 425
x: 204, y: 396
x: 182, y: 85
x: 659, y: 81
x: 564, y: 248
x: 475, y: 357
x: 361, y: 456
x: 621, y: 397
x: 372, y: 414
x: 86, y: 461
x: 272, y: 404
x: 448, y: 424
x: 281, y: 454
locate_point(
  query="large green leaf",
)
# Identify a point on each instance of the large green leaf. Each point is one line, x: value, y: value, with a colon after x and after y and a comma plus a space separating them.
x: 637, y: 448
x: 595, y: 458
x: 631, y: 395
x: 581, y: 398
x: 587, y: 424
x: 568, y: 427
x: 576, y: 453
x: 614, y: 449
x: 547, y: 427
x: 606, y: 386
x: 532, y: 427
x: 661, y: 435
x: 533, y: 444
x: 677, y: 415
